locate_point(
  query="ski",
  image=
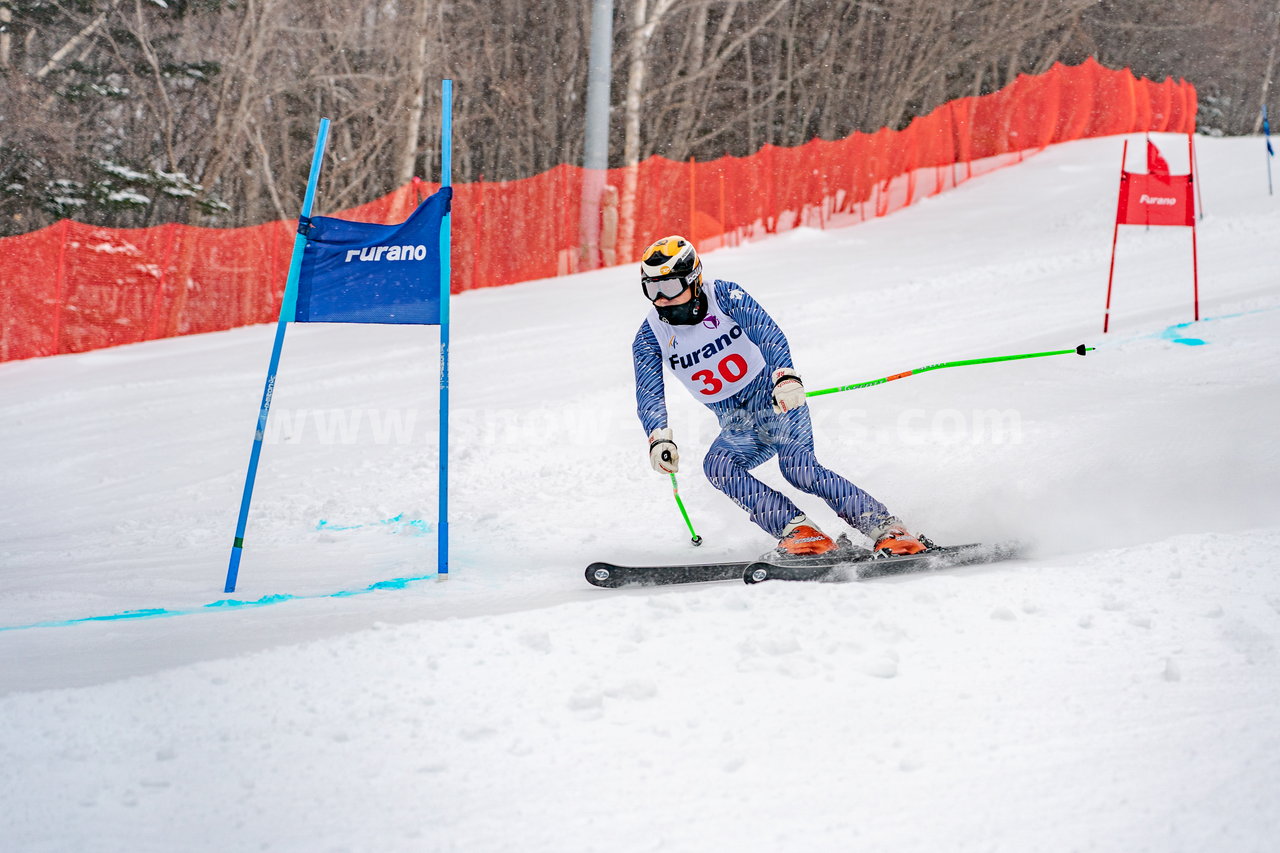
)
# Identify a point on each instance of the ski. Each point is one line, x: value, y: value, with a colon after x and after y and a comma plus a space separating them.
x: 847, y: 564
x: 863, y: 564
x: 612, y: 576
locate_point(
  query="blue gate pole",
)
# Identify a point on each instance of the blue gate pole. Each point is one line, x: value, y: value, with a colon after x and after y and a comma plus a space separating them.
x: 288, y: 309
x: 1266, y: 132
x: 446, y: 180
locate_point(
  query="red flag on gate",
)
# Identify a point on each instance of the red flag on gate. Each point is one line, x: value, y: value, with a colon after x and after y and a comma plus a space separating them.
x: 1156, y: 164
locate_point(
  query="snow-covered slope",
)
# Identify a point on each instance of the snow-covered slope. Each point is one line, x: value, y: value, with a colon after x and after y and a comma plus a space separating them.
x: 1117, y: 689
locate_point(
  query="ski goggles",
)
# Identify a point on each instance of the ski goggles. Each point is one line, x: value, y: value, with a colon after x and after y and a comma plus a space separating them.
x: 669, y: 286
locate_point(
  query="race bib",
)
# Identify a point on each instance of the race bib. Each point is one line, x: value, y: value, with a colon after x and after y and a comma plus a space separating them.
x: 714, y: 359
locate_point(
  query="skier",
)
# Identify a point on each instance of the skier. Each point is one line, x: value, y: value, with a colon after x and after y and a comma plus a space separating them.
x: 732, y: 357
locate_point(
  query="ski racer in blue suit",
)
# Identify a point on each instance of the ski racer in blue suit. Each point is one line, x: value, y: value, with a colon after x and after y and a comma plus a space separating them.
x: 731, y: 355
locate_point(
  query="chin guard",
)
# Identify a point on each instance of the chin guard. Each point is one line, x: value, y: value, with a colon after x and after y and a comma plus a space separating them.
x: 688, y: 314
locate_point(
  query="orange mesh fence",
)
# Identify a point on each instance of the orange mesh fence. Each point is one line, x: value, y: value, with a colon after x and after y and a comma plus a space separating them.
x: 73, y: 287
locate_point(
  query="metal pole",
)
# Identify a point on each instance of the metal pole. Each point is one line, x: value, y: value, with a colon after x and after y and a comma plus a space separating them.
x: 595, y: 159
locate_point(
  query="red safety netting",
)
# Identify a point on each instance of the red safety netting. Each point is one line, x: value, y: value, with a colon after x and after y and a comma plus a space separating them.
x: 73, y: 287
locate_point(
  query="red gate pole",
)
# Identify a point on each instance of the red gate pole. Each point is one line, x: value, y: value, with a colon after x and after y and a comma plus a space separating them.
x: 1195, y: 263
x: 1195, y: 170
x: 1115, y: 233
x: 1195, y: 272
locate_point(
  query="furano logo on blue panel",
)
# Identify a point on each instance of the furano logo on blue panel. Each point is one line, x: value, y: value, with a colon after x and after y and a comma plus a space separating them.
x: 387, y: 253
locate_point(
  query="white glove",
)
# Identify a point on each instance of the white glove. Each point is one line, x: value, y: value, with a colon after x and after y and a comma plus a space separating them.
x: 788, y: 390
x: 663, y: 454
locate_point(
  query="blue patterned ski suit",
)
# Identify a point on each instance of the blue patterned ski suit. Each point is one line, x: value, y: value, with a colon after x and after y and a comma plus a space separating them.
x: 751, y: 432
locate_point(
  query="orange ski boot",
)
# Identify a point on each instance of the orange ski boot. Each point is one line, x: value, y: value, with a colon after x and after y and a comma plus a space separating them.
x: 893, y: 540
x: 801, y: 538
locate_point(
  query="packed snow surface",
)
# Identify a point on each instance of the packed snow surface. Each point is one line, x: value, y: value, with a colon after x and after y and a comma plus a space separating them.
x: 1115, y: 689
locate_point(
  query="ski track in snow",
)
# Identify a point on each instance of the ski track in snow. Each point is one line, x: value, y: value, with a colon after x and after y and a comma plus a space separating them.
x: 1116, y: 689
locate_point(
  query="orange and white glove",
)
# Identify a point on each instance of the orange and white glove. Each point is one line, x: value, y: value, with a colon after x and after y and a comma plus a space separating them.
x: 788, y: 390
x: 664, y: 456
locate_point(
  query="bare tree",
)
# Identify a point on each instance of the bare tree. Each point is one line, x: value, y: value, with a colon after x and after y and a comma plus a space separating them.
x: 133, y: 112
x: 645, y: 17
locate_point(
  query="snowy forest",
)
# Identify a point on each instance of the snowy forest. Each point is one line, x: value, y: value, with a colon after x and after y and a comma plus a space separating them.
x: 132, y: 113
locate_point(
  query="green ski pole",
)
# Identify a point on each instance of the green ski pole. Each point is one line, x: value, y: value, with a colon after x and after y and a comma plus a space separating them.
x: 1080, y: 350
x: 675, y: 490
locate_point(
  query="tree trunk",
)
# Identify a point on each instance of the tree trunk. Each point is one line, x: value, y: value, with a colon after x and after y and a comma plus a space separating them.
x: 1271, y: 68
x: 417, y: 96
x: 6, y: 19
x: 644, y: 20
x: 640, y: 32
x: 74, y: 42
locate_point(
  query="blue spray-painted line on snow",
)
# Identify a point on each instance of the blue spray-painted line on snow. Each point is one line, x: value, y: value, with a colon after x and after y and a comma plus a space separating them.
x: 225, y: 604
x: 1175, y: 334
x: 397, y: 522
x: 420, y: 527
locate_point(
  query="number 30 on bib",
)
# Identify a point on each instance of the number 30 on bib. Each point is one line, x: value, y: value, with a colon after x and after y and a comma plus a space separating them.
x: 732, y: 368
